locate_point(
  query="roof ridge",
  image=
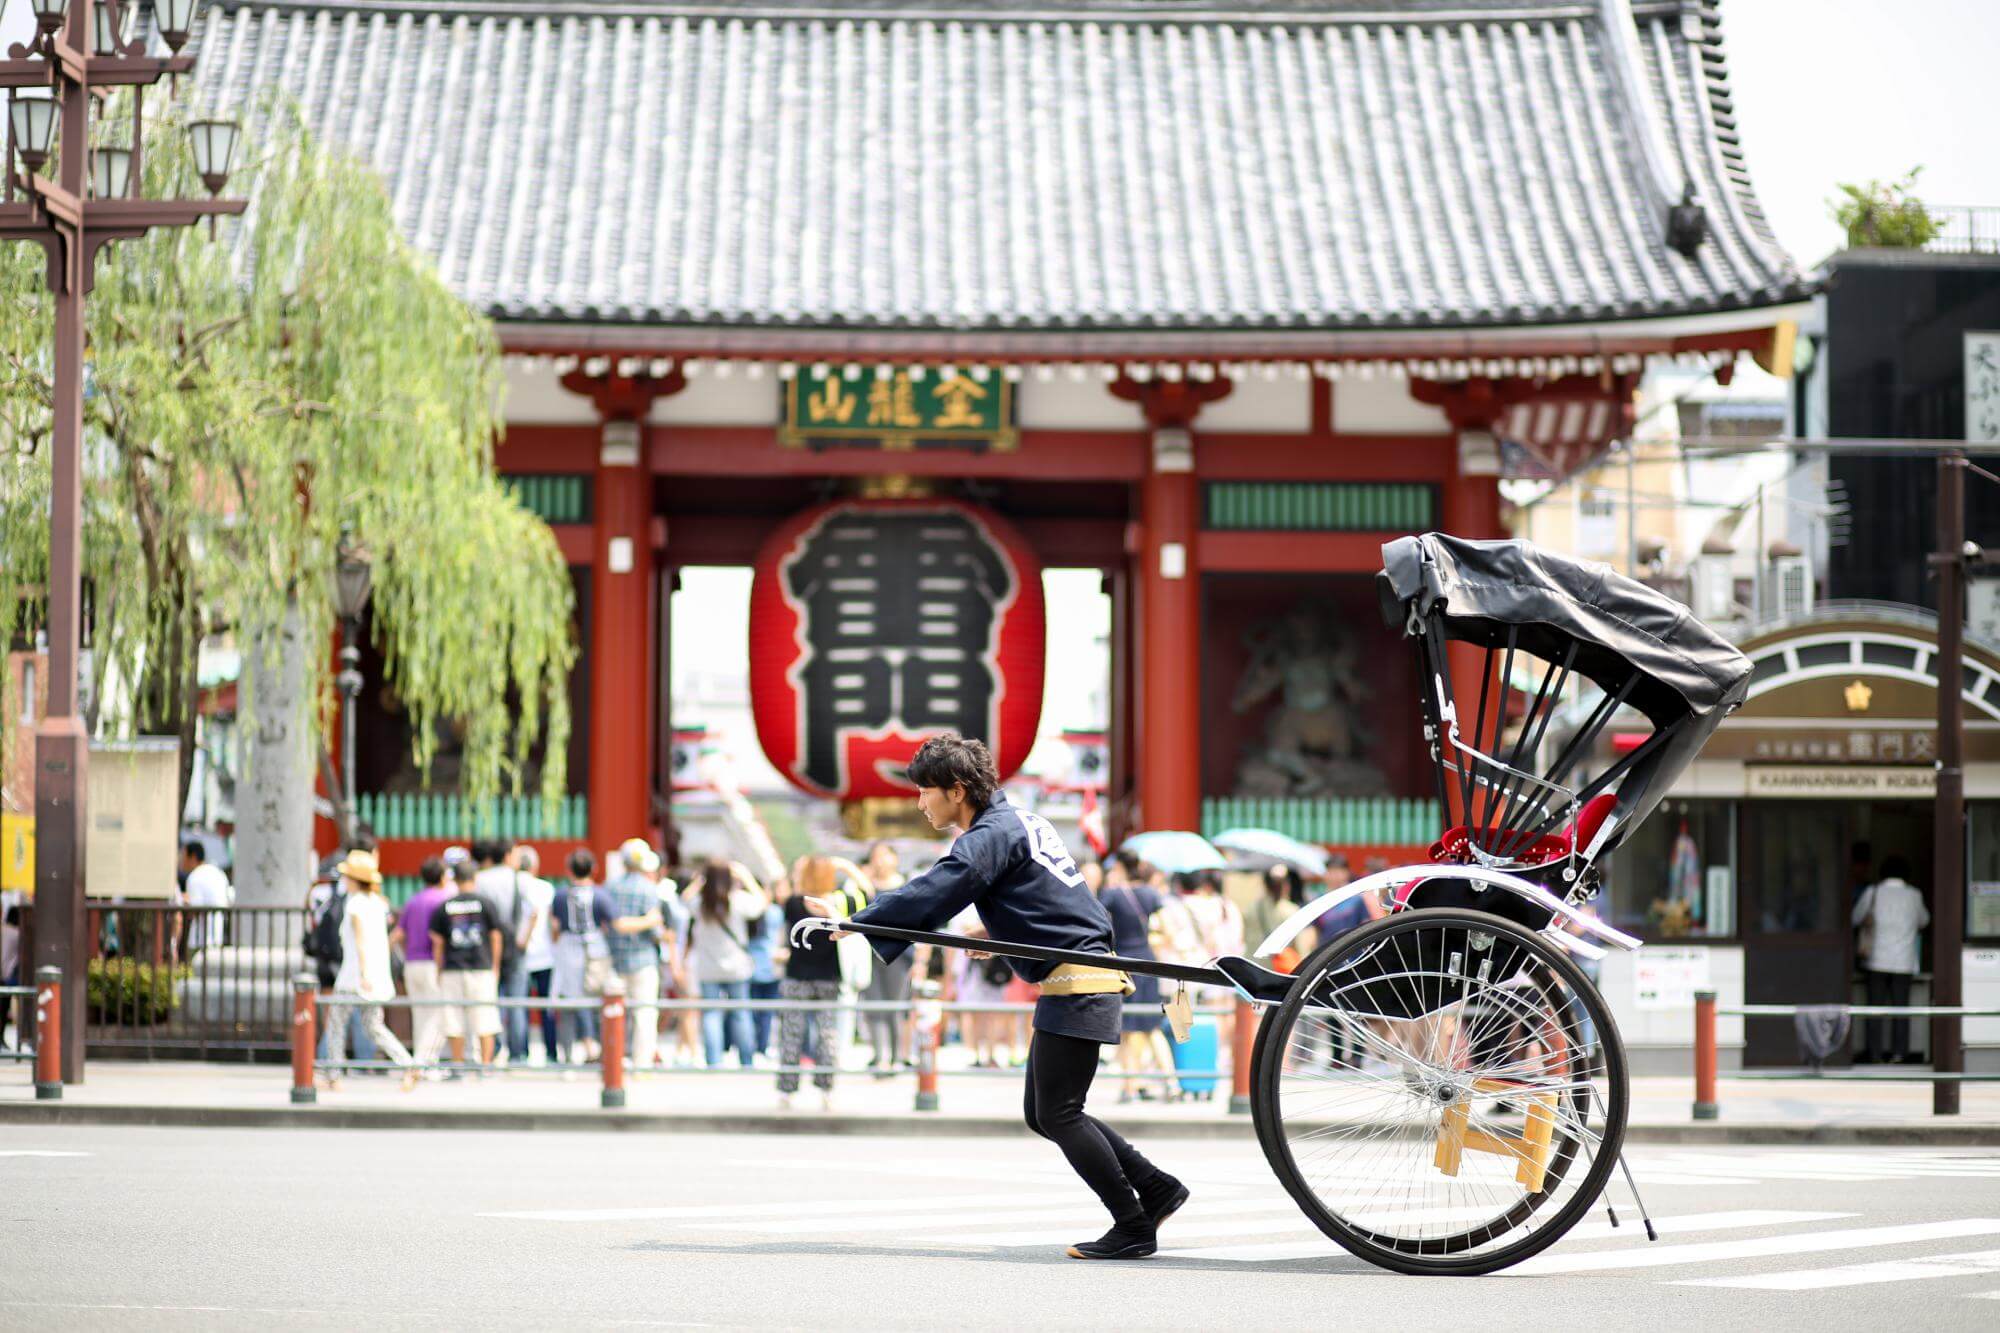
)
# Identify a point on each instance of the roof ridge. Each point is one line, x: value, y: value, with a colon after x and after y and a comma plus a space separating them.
x: 1289, y: 13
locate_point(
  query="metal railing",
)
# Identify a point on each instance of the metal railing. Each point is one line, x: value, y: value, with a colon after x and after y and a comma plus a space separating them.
x: 23, y: 1024
x: 1707, y: 1105
x: 1964, y: 229
x: 173, y: 982
x: 619, y: 1011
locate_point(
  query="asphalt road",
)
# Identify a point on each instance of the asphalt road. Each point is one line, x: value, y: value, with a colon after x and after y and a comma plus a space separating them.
x: 174, y: 1228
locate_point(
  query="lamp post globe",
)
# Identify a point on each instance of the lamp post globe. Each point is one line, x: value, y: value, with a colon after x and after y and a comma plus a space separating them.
x: 32, y: 114
x: 214, y: 145
x: 49, y: 14
x: 176, y: 20
x: 110, y: 21
x: 110, y: 172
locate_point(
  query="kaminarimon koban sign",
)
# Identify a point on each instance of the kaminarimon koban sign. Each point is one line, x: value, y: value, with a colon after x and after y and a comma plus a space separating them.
x: 877, y: 623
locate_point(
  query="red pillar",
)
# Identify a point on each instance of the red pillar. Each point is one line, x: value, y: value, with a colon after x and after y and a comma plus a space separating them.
x: 1168, y: 743
x: 620, y: 781
x: 1167, y: 570
x: 621, y: 568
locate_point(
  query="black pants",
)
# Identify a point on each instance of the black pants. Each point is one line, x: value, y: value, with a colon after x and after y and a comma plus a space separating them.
x: 1060, y: 1070
x: 1888, y: 1037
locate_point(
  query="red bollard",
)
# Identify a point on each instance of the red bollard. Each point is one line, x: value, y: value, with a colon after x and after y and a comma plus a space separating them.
x: 613, y: 1044
x: 48, y: 1034
x: 305, y: 1037
x: 1705, y: 1107
x: 1239, y: 1057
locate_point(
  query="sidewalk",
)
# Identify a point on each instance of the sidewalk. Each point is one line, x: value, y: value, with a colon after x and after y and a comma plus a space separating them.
x: 1753, y: 1111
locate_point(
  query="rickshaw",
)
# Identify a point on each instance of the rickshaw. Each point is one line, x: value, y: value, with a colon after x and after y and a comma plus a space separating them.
x: 1442, y: 1090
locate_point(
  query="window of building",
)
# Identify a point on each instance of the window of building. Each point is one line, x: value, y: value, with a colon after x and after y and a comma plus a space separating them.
x: 1596, y: 523
x: 1982, y: 871
x: 1676, y: 876
x: 27, y: 691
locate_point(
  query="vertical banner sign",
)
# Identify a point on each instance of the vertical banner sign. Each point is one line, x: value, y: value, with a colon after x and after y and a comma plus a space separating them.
x: 1982, y: 387
x: 877, y: 623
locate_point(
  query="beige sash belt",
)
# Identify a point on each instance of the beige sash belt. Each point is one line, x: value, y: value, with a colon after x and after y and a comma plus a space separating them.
x: 1079, y: 979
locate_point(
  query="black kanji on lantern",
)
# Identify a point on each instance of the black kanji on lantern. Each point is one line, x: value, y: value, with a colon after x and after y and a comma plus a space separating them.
x: 897, y: 613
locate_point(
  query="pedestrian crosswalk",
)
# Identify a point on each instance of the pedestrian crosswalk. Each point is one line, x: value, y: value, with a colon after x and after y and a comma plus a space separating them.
x: 1241, y: 1221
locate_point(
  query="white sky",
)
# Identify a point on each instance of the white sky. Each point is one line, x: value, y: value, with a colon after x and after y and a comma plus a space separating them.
x: 1853, y: 90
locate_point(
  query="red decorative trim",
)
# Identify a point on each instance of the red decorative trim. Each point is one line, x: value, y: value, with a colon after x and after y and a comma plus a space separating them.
x: 577, y: 542
x: 1419, y: 458
x: 624, y: 397
x: 546, y: 448
x: 404, y: 856
x: 1171, y: 403
x: 736, y: 451
x: 1291, y: 552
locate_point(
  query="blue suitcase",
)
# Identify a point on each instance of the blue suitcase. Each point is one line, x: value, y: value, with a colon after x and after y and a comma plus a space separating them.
x: 1202, y: 1050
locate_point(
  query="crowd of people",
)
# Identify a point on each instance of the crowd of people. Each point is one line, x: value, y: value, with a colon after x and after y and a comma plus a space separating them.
x: 485, y: 924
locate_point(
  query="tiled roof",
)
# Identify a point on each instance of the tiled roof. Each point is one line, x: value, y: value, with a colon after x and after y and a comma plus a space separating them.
x: 1038, y: 166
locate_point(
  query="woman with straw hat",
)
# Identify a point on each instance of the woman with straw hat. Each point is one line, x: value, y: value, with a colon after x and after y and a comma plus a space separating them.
x: 364, y: 964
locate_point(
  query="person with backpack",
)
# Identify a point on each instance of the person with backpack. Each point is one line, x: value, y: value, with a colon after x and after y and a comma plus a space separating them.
x: 364, y: 964
x: 582, y: 960
x: 725, y: 903
x: 326, y: 908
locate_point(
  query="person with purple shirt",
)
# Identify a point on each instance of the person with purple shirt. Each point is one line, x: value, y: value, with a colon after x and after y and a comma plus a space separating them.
x: 420, y: 969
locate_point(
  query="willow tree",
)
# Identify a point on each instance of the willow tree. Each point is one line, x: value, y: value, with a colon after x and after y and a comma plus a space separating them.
x: 248, y: 401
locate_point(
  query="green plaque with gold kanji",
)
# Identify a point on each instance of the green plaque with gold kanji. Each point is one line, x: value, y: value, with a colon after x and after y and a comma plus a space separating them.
x: 897, y: 407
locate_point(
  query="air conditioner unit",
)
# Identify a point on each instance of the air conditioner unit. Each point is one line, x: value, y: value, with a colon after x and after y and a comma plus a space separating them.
x: 1714, y: 587
x: 1788, y: 593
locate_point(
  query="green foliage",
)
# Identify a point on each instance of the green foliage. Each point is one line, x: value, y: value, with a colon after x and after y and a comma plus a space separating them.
x: 127, y: 991
x: 1884, y: 214
x: 250, y: 399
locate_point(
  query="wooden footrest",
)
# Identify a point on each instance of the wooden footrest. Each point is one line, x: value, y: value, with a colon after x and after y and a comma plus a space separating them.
x: 1530, y: 1150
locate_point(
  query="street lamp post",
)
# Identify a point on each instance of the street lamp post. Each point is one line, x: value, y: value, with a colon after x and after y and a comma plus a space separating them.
x: 352, y: 579
x: 86, y: 203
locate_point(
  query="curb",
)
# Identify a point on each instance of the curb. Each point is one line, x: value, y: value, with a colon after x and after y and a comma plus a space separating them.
x: 906, y: 1125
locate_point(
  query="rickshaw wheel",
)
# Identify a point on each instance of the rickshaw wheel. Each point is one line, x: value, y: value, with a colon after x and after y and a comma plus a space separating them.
x: 1460, y: 1122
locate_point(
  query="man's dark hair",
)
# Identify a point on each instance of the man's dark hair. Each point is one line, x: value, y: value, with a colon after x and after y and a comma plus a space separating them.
x: 950, y: 760
x: 1896, y: 867
x: 582, y: 865
x: 431, y: 872
x: 196, y: 848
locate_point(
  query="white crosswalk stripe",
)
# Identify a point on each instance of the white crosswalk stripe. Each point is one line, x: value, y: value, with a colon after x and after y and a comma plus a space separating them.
x: 1661, y: 1256
x: 1971, y: 1263
x: 1705, y: 1167
x: 1072, y: 1209
x: 1694, y: 1223
x: 830, y: 1208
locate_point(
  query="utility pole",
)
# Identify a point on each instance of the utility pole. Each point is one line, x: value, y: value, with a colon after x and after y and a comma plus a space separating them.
x: 1948, y: 889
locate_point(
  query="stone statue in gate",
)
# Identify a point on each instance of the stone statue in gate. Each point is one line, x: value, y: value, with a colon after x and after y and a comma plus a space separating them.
x: 1315, y: 742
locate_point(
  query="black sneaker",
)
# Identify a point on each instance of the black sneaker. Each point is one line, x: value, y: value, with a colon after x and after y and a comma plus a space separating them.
x: 1118, y: 1243
x: 1163, y: 1200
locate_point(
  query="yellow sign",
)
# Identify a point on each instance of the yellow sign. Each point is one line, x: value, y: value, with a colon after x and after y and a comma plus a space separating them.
x: 17, y: 853
x: 1858, y: 694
